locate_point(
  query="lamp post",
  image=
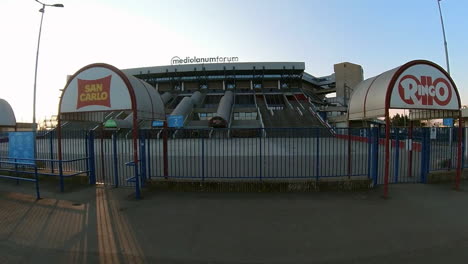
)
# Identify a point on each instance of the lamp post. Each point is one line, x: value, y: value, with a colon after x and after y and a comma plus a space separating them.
x: 448, y: 70
x: 42, y: 10
x: 445, y: 40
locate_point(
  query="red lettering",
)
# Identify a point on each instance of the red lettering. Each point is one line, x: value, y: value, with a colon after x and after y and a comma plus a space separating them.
x: 424, y: 91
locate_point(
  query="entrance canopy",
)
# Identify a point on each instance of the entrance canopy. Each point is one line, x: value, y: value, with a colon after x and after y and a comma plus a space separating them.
x: 421, y: 86
x: 7, y: 116
x: 99, y: 88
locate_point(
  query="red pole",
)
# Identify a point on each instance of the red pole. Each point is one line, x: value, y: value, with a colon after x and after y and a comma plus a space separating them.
x: 387, y: 153
x: 165, y: 158
x: 459, y: 161
x: 410, y: 156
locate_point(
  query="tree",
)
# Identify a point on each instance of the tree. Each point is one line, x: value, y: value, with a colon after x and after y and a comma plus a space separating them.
x: 402, y: 120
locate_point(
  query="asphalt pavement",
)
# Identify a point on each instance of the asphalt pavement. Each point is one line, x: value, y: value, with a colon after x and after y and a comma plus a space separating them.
x: 420, y: 223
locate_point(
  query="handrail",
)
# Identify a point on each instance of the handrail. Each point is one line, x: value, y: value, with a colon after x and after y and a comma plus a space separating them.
x: 287, y: 101
x: 46, y: 160
x: 35, y: 180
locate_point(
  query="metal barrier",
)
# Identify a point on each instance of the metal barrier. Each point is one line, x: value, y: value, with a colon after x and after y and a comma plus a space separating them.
x: 78, y: 155
x: 297, y: 153
x: 24, y: 166
x: 255, y: 154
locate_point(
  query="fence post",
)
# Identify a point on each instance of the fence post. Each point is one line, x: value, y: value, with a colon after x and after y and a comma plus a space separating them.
x: 428, y: 158
x: 148, y: 152
x: 116, y: 167
x: 36, y: 176
x: 62, y: 187
x: 86, y: 149
x: 92, y: 165
x: 51, y: 149
x: 369, y: 151
x: 397, y: 154
x: 410, y: 152
x: 203, y: 158
x: 463, y: 138
x: 142, y: 158
x: 375, y: 154
x: 317, y: 154
x: 165, y: 157
x: 424, y: 153
x: 137, y: 182
x: 349, y: 153
x: 260, y: 152
x: 459, y: 153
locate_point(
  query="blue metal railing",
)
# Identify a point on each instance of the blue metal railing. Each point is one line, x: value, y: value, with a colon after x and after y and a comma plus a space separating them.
x: 254, y: 154
x: 24, y: 166
x: 295, y: 153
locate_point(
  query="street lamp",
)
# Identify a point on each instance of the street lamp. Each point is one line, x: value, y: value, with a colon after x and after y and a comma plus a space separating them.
x: 445, y: 40
x: 42, y: 10
x: 448, y: 70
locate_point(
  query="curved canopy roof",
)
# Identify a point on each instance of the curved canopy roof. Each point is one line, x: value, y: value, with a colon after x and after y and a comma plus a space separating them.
x: 104, y: 88
x: 7, y: 118
x: 416, y: 85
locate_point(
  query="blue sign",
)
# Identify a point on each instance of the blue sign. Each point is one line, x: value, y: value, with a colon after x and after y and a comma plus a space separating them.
x: 448, y: 122
x: 157, y: 123
x: 21, y: 146
x: 175, y: 121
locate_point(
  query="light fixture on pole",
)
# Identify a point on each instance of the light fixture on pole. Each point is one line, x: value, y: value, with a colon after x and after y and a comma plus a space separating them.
x: 42, y: 10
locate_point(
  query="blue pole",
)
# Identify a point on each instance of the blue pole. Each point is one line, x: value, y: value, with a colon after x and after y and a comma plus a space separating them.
x: 148, y: 154
x: 375, y: 154
x: 116, y: 167
x: 137, y: 182
x: 424, y: 150
x: 38, y: 195
x: 142, y: 158
x: 51, y: 149
x: 428, y: 160
x: 86, y: 147
x: 92, y: 178
x: 397, y: 154
x: 369, y: 150
x: 260, y: 152
x: 203, y: 158
x: 317, y: 155
x: 62, y: 187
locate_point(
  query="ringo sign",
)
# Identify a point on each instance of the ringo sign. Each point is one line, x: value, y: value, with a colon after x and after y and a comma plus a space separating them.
x: 423, y: 86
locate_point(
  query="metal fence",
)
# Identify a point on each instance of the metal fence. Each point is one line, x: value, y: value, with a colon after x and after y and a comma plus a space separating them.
x: 255, y: 154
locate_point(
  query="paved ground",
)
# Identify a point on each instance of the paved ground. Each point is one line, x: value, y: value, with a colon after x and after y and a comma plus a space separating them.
x: 419, y: 224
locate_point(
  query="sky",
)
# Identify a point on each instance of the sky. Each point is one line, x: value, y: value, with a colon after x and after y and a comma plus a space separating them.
x: 378, y: 35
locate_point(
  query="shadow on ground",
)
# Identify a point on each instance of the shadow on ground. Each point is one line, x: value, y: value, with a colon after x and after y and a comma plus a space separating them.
x: 418, y: 224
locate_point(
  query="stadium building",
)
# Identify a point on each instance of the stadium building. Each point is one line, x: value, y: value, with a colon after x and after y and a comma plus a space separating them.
x: 249, y: 95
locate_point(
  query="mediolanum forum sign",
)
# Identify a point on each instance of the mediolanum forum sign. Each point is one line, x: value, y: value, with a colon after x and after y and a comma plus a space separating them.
x: 423, y: 86
x: 176, y: 60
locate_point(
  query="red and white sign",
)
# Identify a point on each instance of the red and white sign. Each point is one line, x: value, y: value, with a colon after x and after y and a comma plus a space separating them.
x: 96, y: 89
x: 94, y: 92
x: 423, y: 86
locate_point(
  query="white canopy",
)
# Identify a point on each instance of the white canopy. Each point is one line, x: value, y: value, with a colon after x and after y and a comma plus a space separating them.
x: 7, y: 116
x: 416, y: 85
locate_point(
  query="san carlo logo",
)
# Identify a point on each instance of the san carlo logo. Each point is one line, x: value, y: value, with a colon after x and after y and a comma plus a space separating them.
x: 424, y: 90
x: 94, y: 92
